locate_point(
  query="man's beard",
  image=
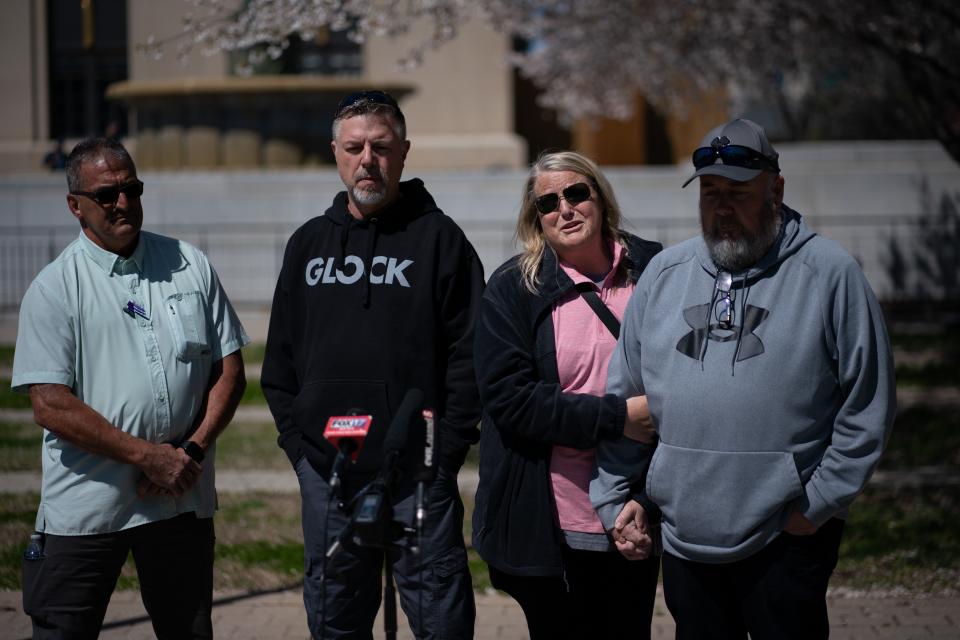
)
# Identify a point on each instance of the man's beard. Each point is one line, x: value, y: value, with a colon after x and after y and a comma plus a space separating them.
x: 738, y: 254
x: 368, y: 196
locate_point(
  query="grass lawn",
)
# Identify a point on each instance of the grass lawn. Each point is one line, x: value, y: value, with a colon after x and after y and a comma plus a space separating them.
x: 924, y: 436
x: 908, y: 538
x: 17, y: 515
x: 253, y: 394
x: 20, y: 446
x: 11, y: 400
x: 246, y: 445
x: 253, y: 352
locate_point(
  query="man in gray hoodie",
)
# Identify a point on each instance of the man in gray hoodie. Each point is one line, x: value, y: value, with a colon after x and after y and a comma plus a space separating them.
x: 765, y: 361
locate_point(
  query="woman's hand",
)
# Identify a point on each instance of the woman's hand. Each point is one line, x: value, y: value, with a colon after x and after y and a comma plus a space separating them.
x: 631, y: 533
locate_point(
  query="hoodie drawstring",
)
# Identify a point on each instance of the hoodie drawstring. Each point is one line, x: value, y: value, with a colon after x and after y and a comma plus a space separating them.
x: 344, y: 235
x: 743, y: 316
x: 706, y: 322
x: 368, y: 261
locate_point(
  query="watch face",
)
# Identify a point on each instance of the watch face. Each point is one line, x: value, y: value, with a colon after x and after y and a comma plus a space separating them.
x: 193, y: 450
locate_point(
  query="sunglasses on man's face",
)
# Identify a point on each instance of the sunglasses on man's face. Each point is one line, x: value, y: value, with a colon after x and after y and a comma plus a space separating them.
x: 733, y: 155
x: 108, y: 196
x: 574, y: 195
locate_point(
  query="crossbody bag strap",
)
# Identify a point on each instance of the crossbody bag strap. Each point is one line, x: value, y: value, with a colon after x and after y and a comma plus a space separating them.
x: 588, y: 293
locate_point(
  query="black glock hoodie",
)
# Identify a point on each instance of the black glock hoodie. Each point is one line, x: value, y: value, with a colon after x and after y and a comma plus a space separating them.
x: 365, y: 310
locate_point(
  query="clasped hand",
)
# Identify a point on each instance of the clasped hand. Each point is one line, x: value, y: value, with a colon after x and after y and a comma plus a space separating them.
x: 168, y: 472
x: 631, y: 532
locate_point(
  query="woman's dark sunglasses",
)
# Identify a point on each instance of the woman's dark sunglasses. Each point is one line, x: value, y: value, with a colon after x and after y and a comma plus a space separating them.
x: 108, y: 196
x: 733, y: 155
x: 574, y: 195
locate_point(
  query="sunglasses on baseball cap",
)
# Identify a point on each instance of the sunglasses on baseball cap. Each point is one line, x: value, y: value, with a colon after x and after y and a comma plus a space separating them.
x: 108, y: 196
x: 738, y: 150
x: 574, y: 195
x: 732, y: 155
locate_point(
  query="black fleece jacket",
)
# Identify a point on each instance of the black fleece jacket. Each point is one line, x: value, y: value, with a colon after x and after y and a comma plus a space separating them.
x: 515, y: 525
x: 364, y: 311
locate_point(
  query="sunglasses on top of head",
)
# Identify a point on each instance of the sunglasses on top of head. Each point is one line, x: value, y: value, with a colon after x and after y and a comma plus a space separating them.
x: 369, y: 97
x: 108, y: 196
x: 574, y: 195
x: 733, y: 155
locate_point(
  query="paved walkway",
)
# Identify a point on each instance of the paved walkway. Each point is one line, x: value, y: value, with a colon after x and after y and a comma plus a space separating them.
x: 279, y: 615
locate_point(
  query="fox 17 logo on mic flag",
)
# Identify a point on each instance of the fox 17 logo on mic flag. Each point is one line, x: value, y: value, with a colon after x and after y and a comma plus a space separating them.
x: 352, y: 428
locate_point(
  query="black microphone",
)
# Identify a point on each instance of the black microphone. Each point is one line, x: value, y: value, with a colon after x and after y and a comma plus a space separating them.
x: 398, y: 434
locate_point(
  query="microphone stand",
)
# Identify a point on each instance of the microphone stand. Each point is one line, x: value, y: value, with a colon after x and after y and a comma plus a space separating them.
x: 374, y: 516
x: 389, y: 598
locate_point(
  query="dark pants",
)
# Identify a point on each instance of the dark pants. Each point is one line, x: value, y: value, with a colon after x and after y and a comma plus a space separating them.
x: 435, y: 589
x: 66, y: 593
x: 600, y: 595
x: 780, y: 592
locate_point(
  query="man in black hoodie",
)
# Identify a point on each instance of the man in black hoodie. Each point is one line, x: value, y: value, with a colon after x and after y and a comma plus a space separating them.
x: 377, y: 296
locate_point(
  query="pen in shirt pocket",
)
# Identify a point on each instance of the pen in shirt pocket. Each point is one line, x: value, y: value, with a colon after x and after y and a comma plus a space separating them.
x: 134, y: 309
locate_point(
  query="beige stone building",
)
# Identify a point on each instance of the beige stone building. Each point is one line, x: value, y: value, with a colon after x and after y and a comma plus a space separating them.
x: 76, y: 70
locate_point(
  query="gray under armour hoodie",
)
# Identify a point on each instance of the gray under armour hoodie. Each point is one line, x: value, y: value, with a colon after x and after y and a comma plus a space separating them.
x: 789, y: 407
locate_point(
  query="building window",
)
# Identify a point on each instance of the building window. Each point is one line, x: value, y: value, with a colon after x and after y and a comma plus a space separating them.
x: 87, y: 52
x: 330, y: 53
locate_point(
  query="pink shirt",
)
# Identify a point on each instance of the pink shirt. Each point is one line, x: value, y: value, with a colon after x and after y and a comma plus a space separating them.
x: 584, y: 346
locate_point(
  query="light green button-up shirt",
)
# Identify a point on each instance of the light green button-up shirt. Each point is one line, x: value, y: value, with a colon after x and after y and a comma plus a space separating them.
x: 135, y: 339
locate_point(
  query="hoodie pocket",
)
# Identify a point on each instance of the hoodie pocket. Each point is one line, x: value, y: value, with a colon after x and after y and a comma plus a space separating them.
x: 720, y: 498
x: 318, y: 400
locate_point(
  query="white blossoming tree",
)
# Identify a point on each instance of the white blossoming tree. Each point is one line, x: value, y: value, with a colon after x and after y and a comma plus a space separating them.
x: 590, y: 57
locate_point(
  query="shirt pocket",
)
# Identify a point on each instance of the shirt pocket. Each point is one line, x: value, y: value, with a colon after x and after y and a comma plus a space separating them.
x: 188, y: 325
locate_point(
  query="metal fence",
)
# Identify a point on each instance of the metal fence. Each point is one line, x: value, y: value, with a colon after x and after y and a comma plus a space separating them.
x: 891, y: 249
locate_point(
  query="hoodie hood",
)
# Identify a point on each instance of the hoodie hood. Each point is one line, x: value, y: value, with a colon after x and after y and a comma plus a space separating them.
x: 731, y: 290
x: 414, y: 201
x: 794, y: 233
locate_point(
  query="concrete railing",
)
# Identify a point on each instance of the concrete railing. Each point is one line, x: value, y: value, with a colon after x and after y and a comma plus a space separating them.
x: 894, y: 206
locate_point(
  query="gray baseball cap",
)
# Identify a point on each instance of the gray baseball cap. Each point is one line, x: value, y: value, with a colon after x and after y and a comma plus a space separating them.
x: 745, y: 146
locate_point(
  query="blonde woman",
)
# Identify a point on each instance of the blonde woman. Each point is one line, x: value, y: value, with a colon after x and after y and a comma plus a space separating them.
x: 543, y: 340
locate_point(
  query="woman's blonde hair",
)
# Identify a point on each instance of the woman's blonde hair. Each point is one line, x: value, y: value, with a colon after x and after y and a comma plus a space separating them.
x: 530, y: 232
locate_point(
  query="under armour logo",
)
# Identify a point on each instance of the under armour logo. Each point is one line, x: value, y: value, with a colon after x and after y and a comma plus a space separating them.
x: 698, y: 318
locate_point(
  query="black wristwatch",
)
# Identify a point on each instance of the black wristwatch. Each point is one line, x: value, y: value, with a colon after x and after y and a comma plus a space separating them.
x: 193, y: 450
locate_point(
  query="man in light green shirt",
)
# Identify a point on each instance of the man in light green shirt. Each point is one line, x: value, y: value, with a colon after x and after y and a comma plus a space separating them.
x: 130, y: 352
